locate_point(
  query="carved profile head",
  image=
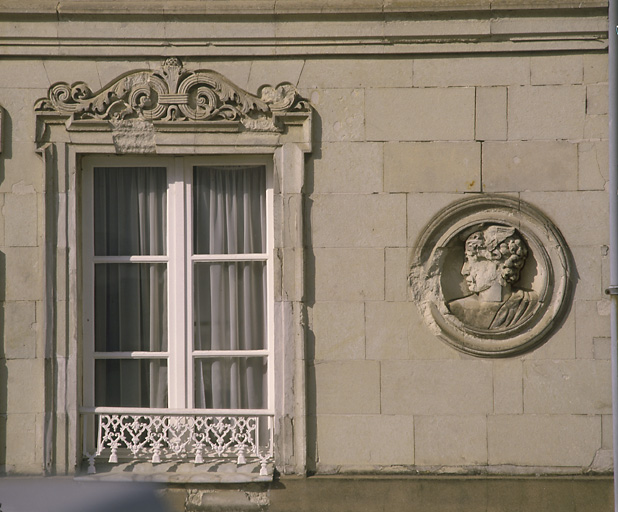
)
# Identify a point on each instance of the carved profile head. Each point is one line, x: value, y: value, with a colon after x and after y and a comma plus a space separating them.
x: 497, y: 252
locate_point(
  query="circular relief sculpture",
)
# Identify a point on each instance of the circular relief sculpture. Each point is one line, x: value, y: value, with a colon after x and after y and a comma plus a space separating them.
x: 491, y: 275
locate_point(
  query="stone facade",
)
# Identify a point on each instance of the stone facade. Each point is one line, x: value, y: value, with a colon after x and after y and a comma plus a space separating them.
x: 415, y: 107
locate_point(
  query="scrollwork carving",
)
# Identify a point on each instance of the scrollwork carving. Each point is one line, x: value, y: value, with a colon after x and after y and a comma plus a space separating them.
x: 174, y: 94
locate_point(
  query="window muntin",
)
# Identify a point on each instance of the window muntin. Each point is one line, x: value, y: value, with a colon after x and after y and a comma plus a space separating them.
x: 200, y: 279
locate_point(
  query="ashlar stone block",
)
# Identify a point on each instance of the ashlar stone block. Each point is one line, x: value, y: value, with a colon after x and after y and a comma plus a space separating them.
x: 23, y: 273
x: 457, y: 387
x: 597, y: 99
x: 362, y: 440
x: 23, y: 381
x: 424, y: 344
x: 432, y: 167
x: 19, y: 330
x: 567, y: 387
x: 356, y: 73
x: 592, y: 321
x: 595, y: 68
x: 349, y: 274
x: 426, y: 114
x: 596, y: 127
x: 20, y: 213
x: 339, y: 330
x: 347, y: 387
x: 396, y: 274
x: 556, y: 69
x: 355, y: 220
x: 388, y: 327
x: 531, y: 165
x: 543, y: 440
x: 589, y: 263
x: 24, y: 170
x: 582, y: 217
x: 450, y: 440
x: 491, y: 121
x: 593, y: 165
x: 341, y: 113
x: 349, y: 167
x: 560, y: 344
x: 272, y: 72
x: 546, y: 112
x: 475, y: 70
x: 508, y: 386
x: 21, y: 443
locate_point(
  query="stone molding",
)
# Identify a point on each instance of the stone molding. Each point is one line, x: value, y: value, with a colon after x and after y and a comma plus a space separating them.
x: 454, y: 305
x: 188, y: 7
x: 174, y: 94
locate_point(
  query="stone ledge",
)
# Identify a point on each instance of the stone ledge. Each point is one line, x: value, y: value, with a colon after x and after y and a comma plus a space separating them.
x: 273, y: 7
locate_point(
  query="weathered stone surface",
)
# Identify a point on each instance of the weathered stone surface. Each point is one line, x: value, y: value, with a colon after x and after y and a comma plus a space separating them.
x: 457, y: 387
x: 355, y: 73
x: 546, y: 112
x: 354, y: 220
x: 432, y: 167
x: 23, y: 378
x: 593, y: 165
x: 339, y: 329
x: 556, y: 69
x: 365, y: 440
x: 396, y: 274
x: 567, y: 387
x: 23, y: 273
x: 422, y: 207
x: 508, y: 386
x: 18, y: 103
x: 348, y: 387
x: 24, y: 170
x: 341, y: 113
x: 484, y: 71
x: 560, y: 344
x: 589, y: 268
x: 424, y: 344
x: 19, y: 330
x: 595, y: 68
x: 533, y: 165
x: 596, y: 127
x: 540, y: 440
x: 450, y: 440
x: 394, y: 114
x: 602, y: 348
x: 22, y: 438
x: 592, y: 321
x: 348, y: 167
x: 271, y: 72
x: 491, y: 123
x: 572, y: 211
x: 388, y: 329
x: 20, y: 213
x: 349, y: 274
x: 597, y: 99
x: 607, y: 434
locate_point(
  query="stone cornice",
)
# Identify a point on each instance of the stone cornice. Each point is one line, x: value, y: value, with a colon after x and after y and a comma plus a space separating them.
x: 274, y: 7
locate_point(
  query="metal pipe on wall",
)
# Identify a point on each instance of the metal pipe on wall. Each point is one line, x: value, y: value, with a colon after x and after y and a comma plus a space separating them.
x: 613, y: 220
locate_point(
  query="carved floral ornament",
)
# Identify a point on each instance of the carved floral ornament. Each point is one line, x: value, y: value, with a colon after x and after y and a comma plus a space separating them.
x: 491, y: 276
x: 174, y: 94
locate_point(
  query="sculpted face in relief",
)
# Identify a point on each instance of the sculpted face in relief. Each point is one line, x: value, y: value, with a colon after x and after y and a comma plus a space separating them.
x: 493, y: 259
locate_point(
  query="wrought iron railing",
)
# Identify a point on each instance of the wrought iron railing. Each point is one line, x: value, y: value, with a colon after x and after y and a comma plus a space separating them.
x: 177, y: 435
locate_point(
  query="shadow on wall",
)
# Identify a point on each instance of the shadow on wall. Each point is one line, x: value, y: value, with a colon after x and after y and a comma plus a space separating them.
x: 6, y: 151
x: 309, y: 285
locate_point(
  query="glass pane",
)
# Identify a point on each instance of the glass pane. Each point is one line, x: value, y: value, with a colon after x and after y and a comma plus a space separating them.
x: 229, y: 210
x: 129, y: 211
x: 130, y: 302
x: 231, y: 383
x: 130, y: 383
x: 229, y: 306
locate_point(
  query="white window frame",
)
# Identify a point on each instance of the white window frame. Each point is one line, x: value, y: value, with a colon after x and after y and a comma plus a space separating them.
x: 180, y: 354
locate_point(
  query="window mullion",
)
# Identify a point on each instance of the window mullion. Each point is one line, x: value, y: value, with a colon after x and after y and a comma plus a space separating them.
x: 176, y: 285
x: 188, y: 263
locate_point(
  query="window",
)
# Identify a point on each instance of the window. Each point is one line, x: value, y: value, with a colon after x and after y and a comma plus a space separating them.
x: 178, y: 287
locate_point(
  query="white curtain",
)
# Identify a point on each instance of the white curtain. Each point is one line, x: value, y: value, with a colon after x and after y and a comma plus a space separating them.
x: 130, y: 298
x: 229, y: 217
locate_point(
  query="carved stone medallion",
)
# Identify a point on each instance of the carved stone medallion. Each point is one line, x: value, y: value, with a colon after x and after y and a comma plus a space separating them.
x: 491, y: 276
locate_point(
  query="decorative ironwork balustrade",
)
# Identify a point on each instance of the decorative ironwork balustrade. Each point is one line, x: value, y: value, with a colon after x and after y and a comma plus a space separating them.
x: 194, y: 438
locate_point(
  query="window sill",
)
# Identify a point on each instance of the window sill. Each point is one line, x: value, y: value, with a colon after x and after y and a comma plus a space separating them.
x: 184, y: 472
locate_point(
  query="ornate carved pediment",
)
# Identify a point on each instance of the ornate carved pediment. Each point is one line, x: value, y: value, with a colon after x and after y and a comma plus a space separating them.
x: 176, y: 95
